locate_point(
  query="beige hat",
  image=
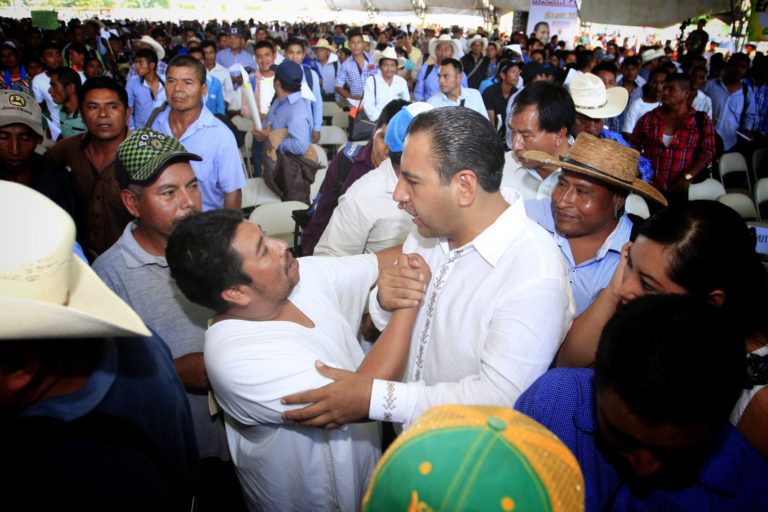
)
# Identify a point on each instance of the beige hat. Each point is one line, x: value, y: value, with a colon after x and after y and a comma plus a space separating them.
x: 18, y: 107
x: 604, y: 160
x: 45, y: 290
x: 159, y: 50
x: 592, y: 99
x: 445, y: 38
x: 323, y: 43
x: 475, y: 38
x: 388, y: 53
x: 654, y: 53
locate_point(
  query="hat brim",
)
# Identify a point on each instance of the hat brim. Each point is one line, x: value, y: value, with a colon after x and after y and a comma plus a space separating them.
x: 92, y: 311
x: 434, y: 42
x: 478, y: 40
x: 159, y: 50
x: 400, y: 60
x: 617, y: 98
x: 637, y: 186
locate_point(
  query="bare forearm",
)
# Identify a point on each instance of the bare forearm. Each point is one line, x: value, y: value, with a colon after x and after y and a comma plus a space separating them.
x: 389, y: 355
x: 191, y: 371
x: 580, y: 344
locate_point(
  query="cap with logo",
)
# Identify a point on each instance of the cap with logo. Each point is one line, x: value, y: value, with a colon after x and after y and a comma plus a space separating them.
x: 145, y: 153
x: 18, y: 107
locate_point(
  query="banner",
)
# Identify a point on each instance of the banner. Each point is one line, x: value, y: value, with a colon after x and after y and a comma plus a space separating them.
x: 758, y: 21
x: 560, y: 15
x: 46, y: 20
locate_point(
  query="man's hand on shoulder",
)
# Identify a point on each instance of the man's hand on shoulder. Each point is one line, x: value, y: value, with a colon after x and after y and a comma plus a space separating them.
x: 403, y: 283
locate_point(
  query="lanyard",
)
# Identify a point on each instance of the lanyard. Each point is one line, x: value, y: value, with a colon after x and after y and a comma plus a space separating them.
x: 9, y: 82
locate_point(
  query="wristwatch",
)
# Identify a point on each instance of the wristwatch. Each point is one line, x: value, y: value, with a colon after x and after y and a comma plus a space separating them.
x: 688, y: 176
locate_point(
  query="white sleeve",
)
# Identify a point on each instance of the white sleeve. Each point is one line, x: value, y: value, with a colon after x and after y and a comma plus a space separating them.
x: 630, y: 120
x: 347, y: 231
x: 369, y: 100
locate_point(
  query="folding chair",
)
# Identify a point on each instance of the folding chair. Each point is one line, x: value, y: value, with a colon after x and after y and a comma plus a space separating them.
x: 760, y: 163
x: 741, y: 203
x: 257, y: 193
x: 340, y: 119
x: 332, y: 137
x: 314, y: 188
x: 708, y: 189
x: 276, y: 221
x: 322, y: 158
x: 734, y: 173
x: 636, y: 205
x: 761, y: 199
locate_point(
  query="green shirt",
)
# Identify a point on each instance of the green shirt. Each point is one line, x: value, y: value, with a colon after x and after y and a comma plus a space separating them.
x: 71, y: 124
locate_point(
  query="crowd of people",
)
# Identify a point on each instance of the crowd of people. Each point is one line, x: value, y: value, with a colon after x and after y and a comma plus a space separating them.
x: 475, y: 243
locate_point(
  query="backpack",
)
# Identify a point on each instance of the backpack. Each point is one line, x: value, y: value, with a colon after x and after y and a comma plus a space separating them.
x: 308, y: 76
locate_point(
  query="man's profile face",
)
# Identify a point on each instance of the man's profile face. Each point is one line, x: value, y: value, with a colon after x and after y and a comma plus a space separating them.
x: 649, y: 456
x: 419, y: 191
x: 183, y: 89
x: 511, y: 76
x: 449, y: 80
x: 104, y: 114
x: 265, y: 57
x: 17, y: 145
x: 527, y: 135
x: 380, y: 150
x: 59, y: 93
x: 168, y: 200
x: 583, y: 206
x: 443, y: 51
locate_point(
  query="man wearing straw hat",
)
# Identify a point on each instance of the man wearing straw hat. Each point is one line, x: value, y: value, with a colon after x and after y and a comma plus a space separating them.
x: 328, y: 63
x: 443, y: 47
x: 93, y: 414
x: 385, y: 86
x: 586, y: 213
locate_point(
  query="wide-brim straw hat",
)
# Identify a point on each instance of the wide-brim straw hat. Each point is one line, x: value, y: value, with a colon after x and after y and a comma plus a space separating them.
x: 477, y: 37
x: 45, y: 290
x: 592, y: 99
x: 388, y: 53
x: 159, y: 50
x: 323, y: 43
x: 604, y: 160
x: 445, y: 38
x: 649, y: 55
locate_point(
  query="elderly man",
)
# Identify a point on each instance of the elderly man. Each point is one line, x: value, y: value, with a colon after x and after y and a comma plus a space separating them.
x: 328, y: 64
x: 586, y: 214
x: 427, y: 84
x: 451, y: 93
x: 542, y: 120
x: 493, y: 316
x: 189, y: 121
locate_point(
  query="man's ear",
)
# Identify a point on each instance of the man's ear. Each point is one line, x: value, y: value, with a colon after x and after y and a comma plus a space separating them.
x: 236, y: 296
x: 131, y: 202
x: 466, y: 187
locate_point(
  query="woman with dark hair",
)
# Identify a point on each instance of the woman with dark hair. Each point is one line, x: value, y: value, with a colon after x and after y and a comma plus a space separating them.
x: 702, y: 249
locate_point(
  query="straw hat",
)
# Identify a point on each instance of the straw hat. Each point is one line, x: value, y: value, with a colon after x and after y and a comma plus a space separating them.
x: 388, y: 53
x: 603, y: 160
x: 592, y: 99
x: 475, y: 38
x: 445, y: 38
x: 159, y: 50
x: 323, y: 43
x: 45, y: 290
x: 654, y: 53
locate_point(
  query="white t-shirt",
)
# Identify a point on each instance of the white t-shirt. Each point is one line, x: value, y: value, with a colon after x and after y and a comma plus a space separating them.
x: 635, y: 111
x: 40, y: 85
x: 703, y: 103
x: 266, y: 93
x: 252, y: 365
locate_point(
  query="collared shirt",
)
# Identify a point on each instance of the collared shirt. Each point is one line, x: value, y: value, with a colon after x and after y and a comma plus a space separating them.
x: 328, y: 75
x: 71, y: 124
x: 314, y: 100
x: 105, y: 216
x: 727, y: 110
x: 702, y: 103
x: 227, y: 59
x: 491, y: 323
x: 142, y: 101
x: 351, y: 74
x: 214, y: 98
x: 526, y: 182
x: 379, y: 93
x: 367, y: 219
x: 161, y: 70
x: 144, y: 282
x: 291, y: 112
x: 225, y: 78
x: 469, y: 98
x: 761, y: 106
x: 252, y: 365
x: 733, y: 478
x: 40, y: 85
x: 590, y: 276
x: 220, y: 172
x: 678, y: 157
x: 427, y: 84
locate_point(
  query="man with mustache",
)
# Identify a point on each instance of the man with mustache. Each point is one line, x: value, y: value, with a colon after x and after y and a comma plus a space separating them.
x: 160, y: 189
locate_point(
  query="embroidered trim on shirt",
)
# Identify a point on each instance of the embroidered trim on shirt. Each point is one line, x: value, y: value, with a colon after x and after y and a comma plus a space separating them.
x: 389, y: 401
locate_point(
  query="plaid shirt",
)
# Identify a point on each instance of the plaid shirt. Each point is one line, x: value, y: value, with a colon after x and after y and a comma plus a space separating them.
x: 677, y: 158
x: 761, y: 106
x: 351, y: 74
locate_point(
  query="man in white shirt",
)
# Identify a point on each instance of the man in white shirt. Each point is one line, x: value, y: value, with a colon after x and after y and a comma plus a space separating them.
x: 650, y: 100
x: 498, y: 305
x: 51, y: 57
x: 218, y: 71
x: 542, y: 119
x: 385, y: 85
x: 451, y: 93
x: 273, y: 322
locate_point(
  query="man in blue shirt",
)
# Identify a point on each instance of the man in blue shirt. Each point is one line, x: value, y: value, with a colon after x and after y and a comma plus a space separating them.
x: 649, y: 425
x: 214, y: 100
x: 235, y: 54
x: 295, y: 51
x: 146, y: 90
x: 452, y: 94
x: 426, y: 80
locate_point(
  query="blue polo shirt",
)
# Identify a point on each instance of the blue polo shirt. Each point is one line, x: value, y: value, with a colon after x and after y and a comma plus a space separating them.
x: 291, y: 112
x: 733, y: 479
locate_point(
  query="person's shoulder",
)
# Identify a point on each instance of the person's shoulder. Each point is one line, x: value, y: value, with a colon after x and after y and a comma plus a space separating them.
x: 65, y: 147
x: 110, y: 261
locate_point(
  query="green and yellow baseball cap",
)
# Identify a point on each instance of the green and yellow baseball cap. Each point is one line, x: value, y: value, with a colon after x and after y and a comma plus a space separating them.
x: 483, y: 458
x: 145, y: 153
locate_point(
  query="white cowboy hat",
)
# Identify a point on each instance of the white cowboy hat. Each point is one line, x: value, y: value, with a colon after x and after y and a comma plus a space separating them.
x: 159, y: 50
x: 654, y: 53
x: 388, y: 53
x: 592, y: 99
x: 445, y: 38
x: 45, y: 290
x: 323, y: 43
x: 475, y: 38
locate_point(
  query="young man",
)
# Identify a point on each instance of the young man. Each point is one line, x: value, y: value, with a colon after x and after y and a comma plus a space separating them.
x: 427, y: 84
x: 649, y: 425
x: 451, y: 93
x: 189, y: 121
x: 214, y: 98
x: 146, y: 90
x: 218, y: 71
x: 353, y: 72
x: 496, y: 97
x: 51, y: 57
x: 65, y: 90
x: 650, y: 99
x: 733, y: 103
x: 310, y: 84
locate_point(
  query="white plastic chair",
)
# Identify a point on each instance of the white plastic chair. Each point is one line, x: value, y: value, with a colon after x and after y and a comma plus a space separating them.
x: 322, y: 158
x: 340, y: 119
x: 636, y: 205
x: 276, y: 221
x: 741, y: 203
x: 761, y: 198
x: 257, y: 193
x: 708, y: 189
x: 332, y: 136
x: 760, y: 163
x: 314, y: 188
x: 242, y: 123
x: 330, y: 108
x: 734, y: 173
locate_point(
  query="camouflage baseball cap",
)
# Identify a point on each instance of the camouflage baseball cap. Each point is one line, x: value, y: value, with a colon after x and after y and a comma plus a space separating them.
x: 145, y: 153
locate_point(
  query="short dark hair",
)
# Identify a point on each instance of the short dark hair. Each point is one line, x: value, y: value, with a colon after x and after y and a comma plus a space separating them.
x: 187, y: 61
x: 68, y: 76
x: 682, y: 78
x: 201, y: 257
x: 354, y: 33
x: 553, y: 102
x: 448, y: 61
x: 78, y: 48
x: 738, y: 56
x: 264, y: 43
x: 208, y: 44
x: 672, y: 359
x: 103, y: 82
x: 583, y: 58
x: 195, y: 49
x: 389, y: 110
x: 295, y: 41
x: 610, y: 67
x: 48, y: 45
x: 146, y: 53
x: 631, y: 61
x: 462, y: 139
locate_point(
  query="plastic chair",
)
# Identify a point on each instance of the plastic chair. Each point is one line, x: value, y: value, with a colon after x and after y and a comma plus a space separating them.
x: 636, y: 205
x: 340, y: 119
x: 322, y: 158
x: 242, y: 123
x: 761, y: 198
x: 708, y: 189
x: 734, y: 173
x: 257, y: 193
x: 314, y: 188
x: 741, y: 203
x: 276, y: 221
x: 332, y: 136
x: 246, y: 158
x: 760, y: 163
x: 330, y: 108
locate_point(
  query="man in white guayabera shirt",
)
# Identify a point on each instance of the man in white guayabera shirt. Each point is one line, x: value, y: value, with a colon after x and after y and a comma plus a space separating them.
x: 498, y: 304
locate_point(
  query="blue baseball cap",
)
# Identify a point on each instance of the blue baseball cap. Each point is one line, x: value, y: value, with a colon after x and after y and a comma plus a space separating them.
x: 290, y: 74
x: 397, y: 128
